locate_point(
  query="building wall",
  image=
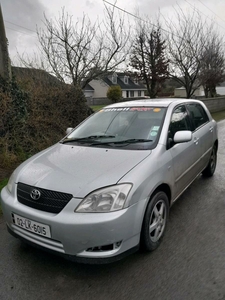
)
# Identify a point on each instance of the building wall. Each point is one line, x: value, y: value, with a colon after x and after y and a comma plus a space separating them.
x: 181, y: 92
x: 220, y: 90
x: 88, y: 94
x: 100, y: 88
x: 124, y: 94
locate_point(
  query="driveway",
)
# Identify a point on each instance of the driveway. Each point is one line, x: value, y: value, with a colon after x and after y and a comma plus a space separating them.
x: 190, y: 263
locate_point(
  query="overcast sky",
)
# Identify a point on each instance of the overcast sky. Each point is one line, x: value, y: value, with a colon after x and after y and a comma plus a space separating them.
x: 22, y: 17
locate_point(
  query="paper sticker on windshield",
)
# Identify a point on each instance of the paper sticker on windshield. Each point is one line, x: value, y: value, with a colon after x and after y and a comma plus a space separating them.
x: 157, y: 109
x: 153, y: 133
x: 155, y: 128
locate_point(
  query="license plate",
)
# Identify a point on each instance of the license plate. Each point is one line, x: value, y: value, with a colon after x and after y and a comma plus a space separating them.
x: 32, y: 226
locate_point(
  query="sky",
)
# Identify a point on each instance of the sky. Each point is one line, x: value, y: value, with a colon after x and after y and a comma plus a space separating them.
x: 23, y: 17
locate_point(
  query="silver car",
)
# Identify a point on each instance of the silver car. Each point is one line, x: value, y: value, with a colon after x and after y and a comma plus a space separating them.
x: 106, y: 188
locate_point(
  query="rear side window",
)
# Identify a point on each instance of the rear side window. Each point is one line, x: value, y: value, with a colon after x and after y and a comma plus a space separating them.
x: 198, y: 115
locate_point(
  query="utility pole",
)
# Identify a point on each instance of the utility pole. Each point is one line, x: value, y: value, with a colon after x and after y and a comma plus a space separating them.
x: 5, y: 63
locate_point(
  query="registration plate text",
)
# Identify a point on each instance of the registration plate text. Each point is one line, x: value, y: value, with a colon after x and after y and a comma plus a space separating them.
x: 33, y: 226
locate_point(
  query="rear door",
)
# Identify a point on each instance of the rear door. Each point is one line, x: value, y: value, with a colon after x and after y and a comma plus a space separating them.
x: 202, y: 130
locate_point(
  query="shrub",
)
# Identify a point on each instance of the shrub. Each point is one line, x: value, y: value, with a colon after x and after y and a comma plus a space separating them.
x: 34, y: 119
x: 114, y: 93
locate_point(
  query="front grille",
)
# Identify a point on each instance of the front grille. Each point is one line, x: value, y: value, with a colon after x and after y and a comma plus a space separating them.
x: 49, y: 201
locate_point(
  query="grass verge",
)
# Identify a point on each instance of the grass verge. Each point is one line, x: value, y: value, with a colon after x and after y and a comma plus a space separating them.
x: 2, y: 184
x: 97, y: 107
x: 218, y: 116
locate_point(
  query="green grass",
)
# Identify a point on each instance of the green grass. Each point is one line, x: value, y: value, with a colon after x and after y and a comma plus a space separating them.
x: 2, y: 184
x: 97, y: 107
x: 218, y: 116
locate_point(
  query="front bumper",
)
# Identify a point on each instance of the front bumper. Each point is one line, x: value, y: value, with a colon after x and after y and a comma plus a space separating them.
x: 74, y: 234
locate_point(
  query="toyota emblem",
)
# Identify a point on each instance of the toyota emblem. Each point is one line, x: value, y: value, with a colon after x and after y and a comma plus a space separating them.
x: 35, y: 194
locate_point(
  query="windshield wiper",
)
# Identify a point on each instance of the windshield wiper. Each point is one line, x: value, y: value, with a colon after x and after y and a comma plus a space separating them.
x: 128, y: 141
x: 87, y: 139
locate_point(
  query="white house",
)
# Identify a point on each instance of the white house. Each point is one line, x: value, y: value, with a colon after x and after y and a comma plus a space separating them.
x: 97, y: 89
x: 181, y: 92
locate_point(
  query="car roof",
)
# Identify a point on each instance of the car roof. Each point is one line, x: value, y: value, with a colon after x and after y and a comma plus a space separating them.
x: 159, y: 102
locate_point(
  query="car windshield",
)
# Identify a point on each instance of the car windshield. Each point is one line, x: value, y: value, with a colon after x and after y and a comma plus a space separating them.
x: 128, y: 127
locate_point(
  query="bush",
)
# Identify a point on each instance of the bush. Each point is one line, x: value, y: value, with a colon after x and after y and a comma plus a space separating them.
x: 34, y: 119
x: 114, y: 93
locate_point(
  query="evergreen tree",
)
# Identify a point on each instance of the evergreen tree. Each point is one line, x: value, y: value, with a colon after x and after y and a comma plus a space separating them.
x: 148, y: 58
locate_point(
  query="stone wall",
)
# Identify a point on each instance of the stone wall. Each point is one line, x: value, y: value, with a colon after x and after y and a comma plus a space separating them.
x: 106, y: 101
x: 98, y: 101
x: 214, y: 104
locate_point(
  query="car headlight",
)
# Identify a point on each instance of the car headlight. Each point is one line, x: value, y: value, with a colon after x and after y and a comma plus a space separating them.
x: 11, y: 183
x: 105, y: 200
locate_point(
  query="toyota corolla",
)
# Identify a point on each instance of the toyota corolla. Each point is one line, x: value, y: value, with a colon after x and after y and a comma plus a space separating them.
x: 106, y: 189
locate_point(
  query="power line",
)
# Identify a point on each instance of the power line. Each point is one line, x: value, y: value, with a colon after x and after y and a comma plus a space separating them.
x: 194, y: 8
x: 20, y: 26
x: 212, y: 11
x: 19, y: 31
x: 139, y: 18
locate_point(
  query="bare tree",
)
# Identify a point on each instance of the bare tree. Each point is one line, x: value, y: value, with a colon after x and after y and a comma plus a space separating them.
x: 213, y: 64
x: 186, y: 42
x: 77, y: 53
x: 148, y: 56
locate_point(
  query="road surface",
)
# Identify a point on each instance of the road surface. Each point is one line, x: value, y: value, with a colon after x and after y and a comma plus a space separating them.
x: 190, y: 263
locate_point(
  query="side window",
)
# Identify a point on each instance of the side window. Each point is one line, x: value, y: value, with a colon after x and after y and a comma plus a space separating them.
x: 179, y: 121
x: 198, y: 115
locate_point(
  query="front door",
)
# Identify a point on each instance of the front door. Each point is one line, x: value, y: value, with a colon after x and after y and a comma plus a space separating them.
x: 186, y: 156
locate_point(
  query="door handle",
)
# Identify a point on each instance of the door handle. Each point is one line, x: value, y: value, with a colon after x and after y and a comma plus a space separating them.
x: 196, y: 140
x: 211, y: 129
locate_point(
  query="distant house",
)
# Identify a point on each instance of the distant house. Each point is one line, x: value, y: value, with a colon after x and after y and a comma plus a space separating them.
x: 220, y: 89
x: 96, y: 90
x: 181, y: 92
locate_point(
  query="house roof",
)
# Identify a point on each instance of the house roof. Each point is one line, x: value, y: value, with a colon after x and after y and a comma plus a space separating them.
x: 88, y: 88
x: 129, y: 86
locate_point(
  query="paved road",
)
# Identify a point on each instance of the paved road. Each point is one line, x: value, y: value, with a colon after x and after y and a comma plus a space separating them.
x: 190, y: 264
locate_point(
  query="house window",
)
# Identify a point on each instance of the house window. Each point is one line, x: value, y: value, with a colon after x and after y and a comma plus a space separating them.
x: 139, y: 93
x: 126, y: 80
x: 131, y: 93
x: 127, y: 94
x: 135, y: 80
x: 114, y: 79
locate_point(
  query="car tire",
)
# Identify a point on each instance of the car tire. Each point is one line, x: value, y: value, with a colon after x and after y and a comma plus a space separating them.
x: 154, y: 223
x: 211, y: 167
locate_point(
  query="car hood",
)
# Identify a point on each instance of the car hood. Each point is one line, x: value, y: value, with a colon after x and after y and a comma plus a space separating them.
x: 76, y: 169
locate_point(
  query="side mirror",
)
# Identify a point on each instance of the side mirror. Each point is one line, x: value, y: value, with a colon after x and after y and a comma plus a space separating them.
x: 182, y: 136
x: 68, y: 130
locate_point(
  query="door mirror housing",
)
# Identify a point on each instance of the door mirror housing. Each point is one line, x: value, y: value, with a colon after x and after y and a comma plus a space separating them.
x: 68, y: 130
x: 183, y: 136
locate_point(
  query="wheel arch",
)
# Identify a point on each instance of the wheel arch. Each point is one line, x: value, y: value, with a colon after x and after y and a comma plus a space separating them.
x: 162, y: 188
